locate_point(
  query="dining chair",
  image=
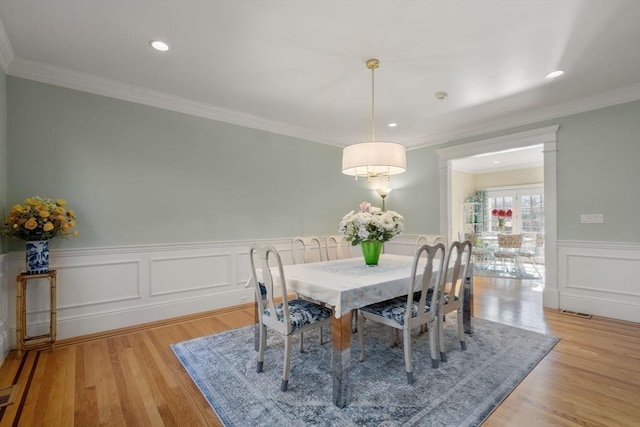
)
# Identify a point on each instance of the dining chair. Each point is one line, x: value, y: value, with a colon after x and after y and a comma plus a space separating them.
x: 480, y: 254
x: 508, y: 247
x: 337, y: 247
x: 306, y: 249
x: 417, y: 308
x: 430, y: 239
x: 289, y: 317
x: 533, y: 251
x: 457, y: 264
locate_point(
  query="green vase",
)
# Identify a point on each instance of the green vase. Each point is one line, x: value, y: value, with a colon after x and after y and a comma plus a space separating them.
x: 371, y: 251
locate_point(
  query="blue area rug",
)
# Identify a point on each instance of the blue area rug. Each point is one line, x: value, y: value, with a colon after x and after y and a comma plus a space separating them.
x: 462, y: 392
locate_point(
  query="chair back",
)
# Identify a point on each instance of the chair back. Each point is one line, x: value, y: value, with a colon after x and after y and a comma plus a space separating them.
x: 472, y: 237
x: 509, y: 241
x: 435, y: 258
x: 306, y: 249
x: 266, y: 283
x: 430, y: 239
x: 457, y: 262
x: 337, y: 247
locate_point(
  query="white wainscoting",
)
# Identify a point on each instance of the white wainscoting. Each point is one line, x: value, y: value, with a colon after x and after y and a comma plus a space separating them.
x: 600, y: 278
x: 100, y: 289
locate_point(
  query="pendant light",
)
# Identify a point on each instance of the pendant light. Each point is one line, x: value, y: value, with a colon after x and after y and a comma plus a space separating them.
x: 375, y: 158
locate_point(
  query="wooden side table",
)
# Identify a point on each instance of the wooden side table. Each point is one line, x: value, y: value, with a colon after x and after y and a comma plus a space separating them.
x: 24, y: 341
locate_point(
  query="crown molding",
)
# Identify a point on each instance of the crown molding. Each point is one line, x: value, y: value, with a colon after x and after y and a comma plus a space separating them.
x: 602, y: 100
x: 90, y: 83
x: 6, y: 51
x: 111, y: 88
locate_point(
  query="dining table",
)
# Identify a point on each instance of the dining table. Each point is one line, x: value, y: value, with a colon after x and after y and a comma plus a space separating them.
x: 348, y: 284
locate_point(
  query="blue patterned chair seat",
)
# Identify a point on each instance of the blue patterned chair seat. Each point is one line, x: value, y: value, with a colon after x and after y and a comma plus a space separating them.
x: 394, y: 309
x: 446, y: 298
x: 263, y: 289
x: 302, y: 313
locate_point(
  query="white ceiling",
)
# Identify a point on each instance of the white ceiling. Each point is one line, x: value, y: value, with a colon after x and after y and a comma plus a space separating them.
x: 298, y: 67
x: 525, y: 157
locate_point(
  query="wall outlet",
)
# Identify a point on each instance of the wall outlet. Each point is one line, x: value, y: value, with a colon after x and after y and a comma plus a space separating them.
x: 591, y: 218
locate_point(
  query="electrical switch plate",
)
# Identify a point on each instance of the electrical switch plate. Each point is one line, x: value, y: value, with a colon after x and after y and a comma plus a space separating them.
x: 592, y: 218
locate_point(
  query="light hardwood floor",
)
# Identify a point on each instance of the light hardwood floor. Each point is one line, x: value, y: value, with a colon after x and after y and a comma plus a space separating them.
x: 590, y: 378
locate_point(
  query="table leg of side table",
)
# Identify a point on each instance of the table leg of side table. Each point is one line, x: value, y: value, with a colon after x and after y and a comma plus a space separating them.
x: 21, y: 315
x: 54, y: 313
x: 23, y: 341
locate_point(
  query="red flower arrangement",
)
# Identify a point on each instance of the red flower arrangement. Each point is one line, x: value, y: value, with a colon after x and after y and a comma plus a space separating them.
x: 502, y: 214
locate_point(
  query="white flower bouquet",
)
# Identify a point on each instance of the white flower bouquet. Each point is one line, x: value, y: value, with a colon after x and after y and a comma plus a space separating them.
x: 371, y: 224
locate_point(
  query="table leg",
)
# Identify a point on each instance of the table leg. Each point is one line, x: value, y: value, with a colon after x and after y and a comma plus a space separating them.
x: 467, y: 306
x: 21, y: 314
x: 341, y: 360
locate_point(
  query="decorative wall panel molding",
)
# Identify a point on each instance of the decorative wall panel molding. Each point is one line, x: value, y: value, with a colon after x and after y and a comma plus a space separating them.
x: 600, y: 278
x: 100, y: 289
x: 187, y: 273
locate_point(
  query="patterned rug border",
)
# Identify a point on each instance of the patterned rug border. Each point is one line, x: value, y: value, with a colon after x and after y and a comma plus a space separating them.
x: 259, y: 402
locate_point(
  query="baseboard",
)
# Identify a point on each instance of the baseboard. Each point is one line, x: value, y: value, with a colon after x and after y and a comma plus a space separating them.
x: 151, y: 325
x: 601, y: 308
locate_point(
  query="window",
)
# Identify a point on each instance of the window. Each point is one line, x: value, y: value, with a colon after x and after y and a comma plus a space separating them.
x: 526, y: 203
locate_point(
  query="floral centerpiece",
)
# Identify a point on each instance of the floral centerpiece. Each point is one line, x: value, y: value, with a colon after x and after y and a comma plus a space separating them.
x: 37, y: 221
x: 502, y: 216
x: 370, y: 227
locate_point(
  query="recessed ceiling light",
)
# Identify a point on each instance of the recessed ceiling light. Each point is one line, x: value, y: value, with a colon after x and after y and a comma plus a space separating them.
x: 159, y: 45
x: 496, y: 162
x: 554, y: 74
x: 441, y: 95
x: 392, y: 125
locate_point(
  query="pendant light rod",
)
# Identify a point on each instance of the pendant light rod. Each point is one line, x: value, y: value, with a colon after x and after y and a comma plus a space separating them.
x: 372, y: 64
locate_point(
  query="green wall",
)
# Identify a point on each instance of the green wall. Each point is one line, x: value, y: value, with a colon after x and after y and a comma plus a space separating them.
x: 598, y: 171
x: 142, y: 175
x: 416, y: 193
x: 3, y: 154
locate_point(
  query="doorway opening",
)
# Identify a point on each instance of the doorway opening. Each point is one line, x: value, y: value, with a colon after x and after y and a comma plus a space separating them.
x: 450, y: 219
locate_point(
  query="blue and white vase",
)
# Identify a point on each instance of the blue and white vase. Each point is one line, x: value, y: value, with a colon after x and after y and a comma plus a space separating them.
x: 37, y: 253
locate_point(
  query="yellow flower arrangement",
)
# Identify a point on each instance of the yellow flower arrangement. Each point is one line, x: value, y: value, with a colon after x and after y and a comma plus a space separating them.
x: 40, y: 218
